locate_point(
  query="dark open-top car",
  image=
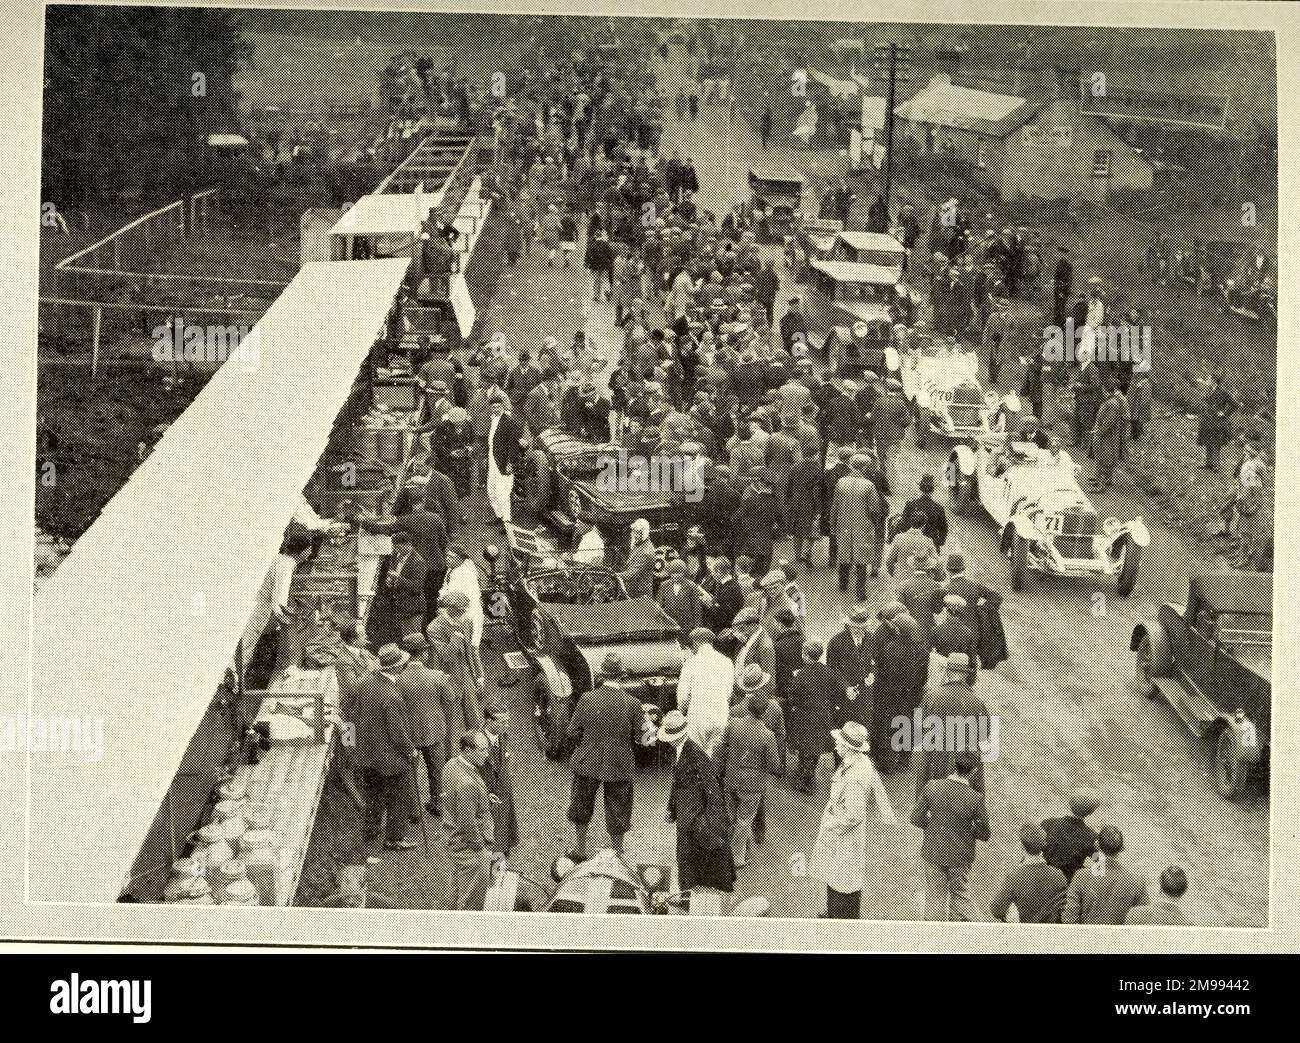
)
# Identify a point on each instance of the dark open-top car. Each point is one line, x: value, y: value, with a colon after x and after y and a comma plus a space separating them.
x: 1212, y: 660
x: 562, y: 482
x: 567, y: 617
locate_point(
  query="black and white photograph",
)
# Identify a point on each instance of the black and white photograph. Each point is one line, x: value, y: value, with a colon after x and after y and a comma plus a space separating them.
x: 732, y: 469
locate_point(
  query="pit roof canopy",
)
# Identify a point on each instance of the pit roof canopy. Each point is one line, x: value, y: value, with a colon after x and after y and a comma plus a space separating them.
x: 141, y: 620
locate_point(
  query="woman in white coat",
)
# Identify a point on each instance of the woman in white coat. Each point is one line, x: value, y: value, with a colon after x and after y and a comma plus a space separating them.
x: 839, y: 857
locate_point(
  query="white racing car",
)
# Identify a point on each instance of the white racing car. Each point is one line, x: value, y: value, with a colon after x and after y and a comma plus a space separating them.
x: 1046, y: 521
x: 946, y: 398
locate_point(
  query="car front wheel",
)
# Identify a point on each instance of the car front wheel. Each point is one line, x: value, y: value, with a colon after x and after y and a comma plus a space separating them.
x: 1231, y: 773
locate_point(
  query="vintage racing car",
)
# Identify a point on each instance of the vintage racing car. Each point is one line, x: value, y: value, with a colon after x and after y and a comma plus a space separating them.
x: 607, y: 883
x: 1046, y: 521
x: 567, y: 616
x: 1212, y: 660
x: 561, y: 483
x: 946, y: 398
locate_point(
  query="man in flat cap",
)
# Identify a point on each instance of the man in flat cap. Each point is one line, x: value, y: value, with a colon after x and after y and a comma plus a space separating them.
x: 607, y: 725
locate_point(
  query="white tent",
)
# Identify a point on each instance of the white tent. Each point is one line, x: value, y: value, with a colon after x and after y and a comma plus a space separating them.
x: 140, y: 621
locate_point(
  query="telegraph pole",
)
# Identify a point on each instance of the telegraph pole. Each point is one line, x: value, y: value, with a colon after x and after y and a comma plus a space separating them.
x: 898, y: 64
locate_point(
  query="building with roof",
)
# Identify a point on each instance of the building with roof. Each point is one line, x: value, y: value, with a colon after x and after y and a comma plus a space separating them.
x: 1017, y: 148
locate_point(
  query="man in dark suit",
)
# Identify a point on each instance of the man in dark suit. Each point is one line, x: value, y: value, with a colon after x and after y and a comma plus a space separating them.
x: 954, y: 819
x: 499, y: 777
x: 383, y: 753
x: 813, y: 691
x: 1062, y: 279
x: 830, y: 480
x: 792, y: 322
x: 428, y: 534
x: 1070, y: 840
x: 426, y: 691
x: 728, y: 598
x: 503, y: 455
x: 951, y: 634
x: 923, y: 596
x: 699, y: 810
x: 607, y: 724
x: 958, y: 713
x: 403, y: 587
x: 936, y: 519
x: 745, y: 756
x: 851, y: 656
x: 1033, y: 886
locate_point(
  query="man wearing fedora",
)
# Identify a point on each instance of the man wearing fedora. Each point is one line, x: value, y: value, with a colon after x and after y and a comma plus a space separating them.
x: 922, y: 595
x: 697, y: 807
x: 756, y: 520
x: 756, y: 647
x: 952, y: 813
x: 851, y: 656
x: 606, y: 726
x: 383, y: 752
x: 839, y: 854
x: 426, y: 692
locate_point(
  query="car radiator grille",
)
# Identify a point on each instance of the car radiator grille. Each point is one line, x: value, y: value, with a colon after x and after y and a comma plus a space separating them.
x: 1075, y: 539
x: 964, y: 416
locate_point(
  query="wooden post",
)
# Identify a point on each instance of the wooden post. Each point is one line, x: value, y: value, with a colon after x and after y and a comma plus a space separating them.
x: 94, y: 356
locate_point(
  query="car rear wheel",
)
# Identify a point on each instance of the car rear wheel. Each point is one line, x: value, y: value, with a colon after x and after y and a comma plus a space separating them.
x: 537, y: 487
x: 1128, y: 572
x: 1231, y: 773
x: 1019, y: 561
x: 1151, y: 660
x: 551, y: 715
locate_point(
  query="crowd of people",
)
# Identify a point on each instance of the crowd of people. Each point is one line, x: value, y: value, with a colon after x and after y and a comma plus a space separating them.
x: 790, y: 457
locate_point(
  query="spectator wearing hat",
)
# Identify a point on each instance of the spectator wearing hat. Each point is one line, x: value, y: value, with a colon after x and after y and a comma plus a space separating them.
x: 499, y: 777
x: 889, y: 421
x: 462, y: 577
x: 895, y: 665
x: 747, y: 753
x: 1110, y: 434
x: 607, y: 724
x: 961, y: 717
x: 1070, y: 840
x: 724, y: 594
x: 951, y: 634
x: 756, y: 520
x: 428, y: 535
x: 855, y: 510
x: 1104, y: 891
x: 681, y: 598
x: 783, y: 453
x: 772, y: 601
x: 922, y: 595
x: 936, y: 519
x: 839, y: 854
x: 755, y: 646
x: 1164, y: 911
x: 837, y: 468
x: 427, y: 692
x: 468, y: 822
x: 952, y: 813
x: 353, y: 660
x: 401, y: 599
x: 699, y: 810
x: 980, y: 613
x: 452, y: 652
x: 1033, y: 886
x: 838, y: 418
x: 910, y: 545
x: 792, y: 322
x: 383, y: 753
